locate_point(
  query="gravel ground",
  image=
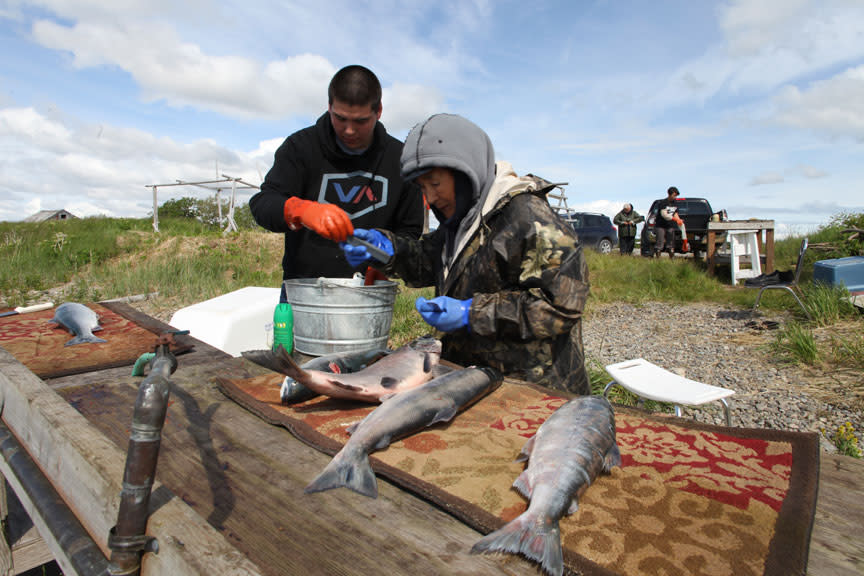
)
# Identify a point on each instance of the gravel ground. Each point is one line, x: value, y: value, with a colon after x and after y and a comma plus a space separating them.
x: 717, y: 346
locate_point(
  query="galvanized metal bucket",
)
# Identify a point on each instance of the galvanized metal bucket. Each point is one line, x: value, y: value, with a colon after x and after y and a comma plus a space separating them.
x: 334, y: 315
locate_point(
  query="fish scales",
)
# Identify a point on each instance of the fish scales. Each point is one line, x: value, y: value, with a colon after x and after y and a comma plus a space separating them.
x: 570, y: 449
x: 438, y: 400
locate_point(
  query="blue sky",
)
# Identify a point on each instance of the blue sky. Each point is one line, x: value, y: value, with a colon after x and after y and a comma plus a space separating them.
x: 757, y: 105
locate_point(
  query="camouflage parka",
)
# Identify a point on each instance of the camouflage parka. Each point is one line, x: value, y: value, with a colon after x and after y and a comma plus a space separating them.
x: 525, y: 270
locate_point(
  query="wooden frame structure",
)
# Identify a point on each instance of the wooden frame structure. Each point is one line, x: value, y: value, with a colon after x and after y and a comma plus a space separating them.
x: 216, y: 185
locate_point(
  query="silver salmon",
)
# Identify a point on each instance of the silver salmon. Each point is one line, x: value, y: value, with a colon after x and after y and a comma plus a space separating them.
x: 80, y: 320
x: 570, y: 449
x: 406, y: 367
x: 438, y: 400
x: 336, y: 363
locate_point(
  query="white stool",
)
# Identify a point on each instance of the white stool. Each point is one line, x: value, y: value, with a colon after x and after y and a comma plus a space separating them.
x: 649, y: 381
x: 744, y: 246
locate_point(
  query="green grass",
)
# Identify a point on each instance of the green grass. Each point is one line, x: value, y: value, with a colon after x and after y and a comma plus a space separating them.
x: 795, y: 342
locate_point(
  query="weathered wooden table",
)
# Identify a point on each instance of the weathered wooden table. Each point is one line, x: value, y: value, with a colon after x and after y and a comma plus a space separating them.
x: 229, y: 496
x: 759, y: 226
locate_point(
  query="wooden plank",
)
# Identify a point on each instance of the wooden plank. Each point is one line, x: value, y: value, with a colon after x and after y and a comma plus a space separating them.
x: 727, y: 225
x: 836, y: 546
x: 87, y: 470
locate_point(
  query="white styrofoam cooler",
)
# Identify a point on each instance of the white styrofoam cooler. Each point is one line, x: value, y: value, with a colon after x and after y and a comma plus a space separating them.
x: 233, y: 322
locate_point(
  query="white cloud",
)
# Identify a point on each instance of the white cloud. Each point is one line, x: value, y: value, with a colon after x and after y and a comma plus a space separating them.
x: 99, y: 169
x: 830, y: 107
x: 812, y: 172
x: 767, y: 178
x: 767, y: 43
x: 407, y: 104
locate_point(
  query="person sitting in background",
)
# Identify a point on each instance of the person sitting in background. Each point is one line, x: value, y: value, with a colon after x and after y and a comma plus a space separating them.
x: 341, y: 172
x: 510, y: 277
x: 665, y: 225
x: 626, y: 220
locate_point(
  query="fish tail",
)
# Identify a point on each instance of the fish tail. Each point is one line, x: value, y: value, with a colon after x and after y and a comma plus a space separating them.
x: 349, y: 471
x: 538, y: 541
x: 287, y: 366
x: 84, y: 339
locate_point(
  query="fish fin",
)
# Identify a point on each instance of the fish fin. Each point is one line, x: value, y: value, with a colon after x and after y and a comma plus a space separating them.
x: 527, y: 535
x: 344, y: 386
x: 574, y: 506
x: 84, y: 340
x: 523, y: 484
x: 350, y: 429
x: 389, y: 382
x: 613, y: 458
x: 382, y: 443
x: 527, y: 448
x: 97, y: 328
x: 349, y: 470
x: 444, y: 415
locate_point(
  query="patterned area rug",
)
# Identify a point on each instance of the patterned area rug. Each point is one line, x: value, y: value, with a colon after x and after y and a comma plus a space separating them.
x: 39, y: 344
x: 690, y: 498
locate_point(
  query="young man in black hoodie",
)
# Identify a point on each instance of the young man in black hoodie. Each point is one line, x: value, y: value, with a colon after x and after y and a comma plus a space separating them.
x: 340, y: 173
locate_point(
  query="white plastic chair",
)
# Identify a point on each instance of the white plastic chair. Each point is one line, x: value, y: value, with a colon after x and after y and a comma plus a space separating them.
x: 651, y: 382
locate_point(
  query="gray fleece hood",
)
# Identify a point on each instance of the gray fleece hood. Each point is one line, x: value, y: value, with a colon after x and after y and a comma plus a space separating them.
x: 451, y: 141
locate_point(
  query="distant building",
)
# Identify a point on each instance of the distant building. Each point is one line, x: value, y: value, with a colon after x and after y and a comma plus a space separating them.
x: 45, y: 215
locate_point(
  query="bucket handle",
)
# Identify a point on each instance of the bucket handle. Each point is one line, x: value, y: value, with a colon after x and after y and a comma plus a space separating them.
x: 322, y: 283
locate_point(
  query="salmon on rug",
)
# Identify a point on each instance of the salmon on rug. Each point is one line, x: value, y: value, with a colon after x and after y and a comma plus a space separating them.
x: 39, y: 344
x: 689, y: 499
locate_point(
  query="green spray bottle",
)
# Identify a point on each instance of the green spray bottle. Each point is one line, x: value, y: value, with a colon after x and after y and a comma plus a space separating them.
x: 283, y: 327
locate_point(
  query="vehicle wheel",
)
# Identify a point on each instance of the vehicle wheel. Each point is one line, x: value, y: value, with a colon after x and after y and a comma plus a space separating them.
x: 604, y: 246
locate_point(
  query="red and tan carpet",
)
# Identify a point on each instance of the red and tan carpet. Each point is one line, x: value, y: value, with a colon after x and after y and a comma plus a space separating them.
x: 38, y: 344
x: 690, y: 499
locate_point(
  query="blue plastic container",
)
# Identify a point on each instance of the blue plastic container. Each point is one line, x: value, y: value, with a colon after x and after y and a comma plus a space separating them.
x: 848, y: 272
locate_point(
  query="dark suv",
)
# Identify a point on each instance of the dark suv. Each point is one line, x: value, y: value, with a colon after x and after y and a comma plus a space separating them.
x: 695, y: 212
x: 594, y: 230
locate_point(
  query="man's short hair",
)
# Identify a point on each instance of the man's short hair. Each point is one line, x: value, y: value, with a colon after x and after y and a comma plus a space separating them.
x: 355, y: 85
x: 673, y: 190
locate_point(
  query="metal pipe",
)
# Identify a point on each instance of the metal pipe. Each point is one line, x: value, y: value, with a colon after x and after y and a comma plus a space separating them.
x: 82, y: 554
x: 128, y: 540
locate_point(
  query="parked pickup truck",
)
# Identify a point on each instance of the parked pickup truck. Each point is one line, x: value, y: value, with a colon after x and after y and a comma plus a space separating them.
x: 695, y: 212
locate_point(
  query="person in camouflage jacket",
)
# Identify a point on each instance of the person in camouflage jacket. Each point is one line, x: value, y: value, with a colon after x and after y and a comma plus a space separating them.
x: 510, y: 278
x: 626, y: 220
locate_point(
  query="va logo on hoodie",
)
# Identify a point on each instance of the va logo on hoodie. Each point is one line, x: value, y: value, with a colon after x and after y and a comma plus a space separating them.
x: 357, y: 193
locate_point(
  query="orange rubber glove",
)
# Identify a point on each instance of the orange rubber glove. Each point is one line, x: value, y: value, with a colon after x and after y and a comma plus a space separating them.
x: 326, y: 220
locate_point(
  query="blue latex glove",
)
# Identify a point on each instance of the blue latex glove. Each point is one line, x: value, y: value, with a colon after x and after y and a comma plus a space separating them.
x: 357, y: 255
x: 444, y: 313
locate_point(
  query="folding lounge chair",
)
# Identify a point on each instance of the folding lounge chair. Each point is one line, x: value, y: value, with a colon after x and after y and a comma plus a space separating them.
x: 791, y: 286
x: 651, y: 382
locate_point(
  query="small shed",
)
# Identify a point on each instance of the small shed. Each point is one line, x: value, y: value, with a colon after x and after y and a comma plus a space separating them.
x: 45, y: 215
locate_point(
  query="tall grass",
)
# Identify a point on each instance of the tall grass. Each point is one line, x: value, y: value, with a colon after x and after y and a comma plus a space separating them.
x: 827, y: 304
x: 39, y: 256
x: 795, y: 342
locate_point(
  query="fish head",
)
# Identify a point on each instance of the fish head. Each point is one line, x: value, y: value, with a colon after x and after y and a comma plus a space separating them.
x: 427, y: 344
